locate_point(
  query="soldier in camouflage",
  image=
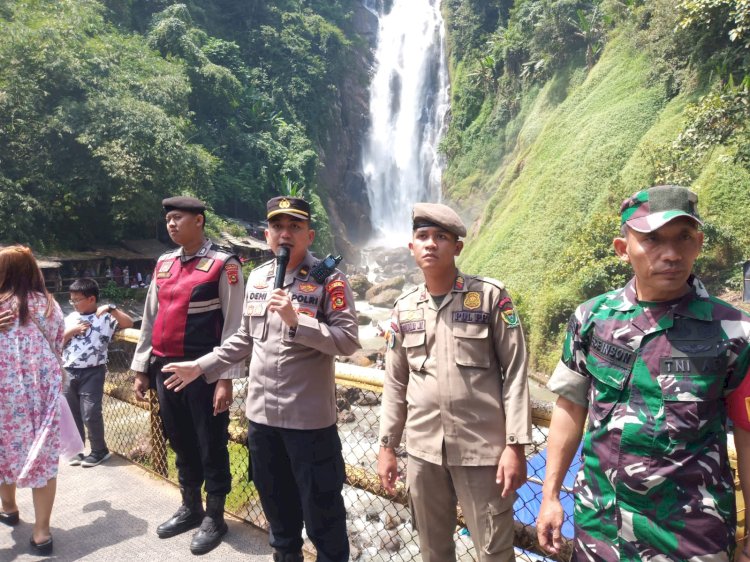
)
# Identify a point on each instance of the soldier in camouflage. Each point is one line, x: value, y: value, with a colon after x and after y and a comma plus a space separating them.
x: 658, y: 366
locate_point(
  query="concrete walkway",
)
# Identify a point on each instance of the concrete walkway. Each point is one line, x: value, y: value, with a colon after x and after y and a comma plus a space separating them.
x: 110, y: 513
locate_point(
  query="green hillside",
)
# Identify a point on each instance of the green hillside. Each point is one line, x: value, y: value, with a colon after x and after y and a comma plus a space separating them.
x: 545, y: 184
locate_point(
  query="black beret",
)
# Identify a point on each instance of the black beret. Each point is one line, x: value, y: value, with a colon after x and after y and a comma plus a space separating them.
x: 183, y: 203
x: 437, y: 214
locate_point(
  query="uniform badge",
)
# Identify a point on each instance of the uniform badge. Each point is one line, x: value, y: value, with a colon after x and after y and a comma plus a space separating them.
x: 335, y: 285
x: 166, y: 266
x: 410, y: 315
x: 338, y: 300
x: 205, y: 264
x: 284, y: 204
x: 508, y: 313
x: 261, y: 285
x: 303, y: 271
x: 163, y: 275
x: 459, y: 283
x: 510, y: 317
x: 472, y: 300
x: 306, y: 312
x: 254, y: 309
x: 232, y: 271
x: 307, y: 287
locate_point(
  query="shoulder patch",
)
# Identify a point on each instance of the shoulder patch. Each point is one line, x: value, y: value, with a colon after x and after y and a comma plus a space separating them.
x: 232, y: 271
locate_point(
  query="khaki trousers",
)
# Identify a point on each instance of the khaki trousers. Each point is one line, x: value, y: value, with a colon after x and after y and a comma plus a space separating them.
x: 433, y: 491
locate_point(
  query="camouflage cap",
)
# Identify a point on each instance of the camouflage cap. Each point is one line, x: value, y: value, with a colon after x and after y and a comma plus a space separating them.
x: 652, y: 208
x: 184, y: 203
x: 436, y: 214
x: 293, y: 206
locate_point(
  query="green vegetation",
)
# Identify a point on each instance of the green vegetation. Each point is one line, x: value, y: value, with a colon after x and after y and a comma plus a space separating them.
x: 563, y: 108
x: 107, y: 107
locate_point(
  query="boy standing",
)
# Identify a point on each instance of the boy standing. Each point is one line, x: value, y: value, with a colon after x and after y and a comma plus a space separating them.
x: 88, y: 331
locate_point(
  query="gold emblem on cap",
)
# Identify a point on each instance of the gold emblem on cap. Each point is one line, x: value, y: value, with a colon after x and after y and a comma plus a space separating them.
x: 284, y: 204
x: 472, y: 300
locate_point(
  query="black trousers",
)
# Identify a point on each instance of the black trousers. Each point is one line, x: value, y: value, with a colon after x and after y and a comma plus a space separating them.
x: 198, y: 438
x: 299, y: 475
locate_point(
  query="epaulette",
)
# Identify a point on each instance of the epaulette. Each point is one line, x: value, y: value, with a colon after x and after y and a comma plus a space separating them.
x: 219, y: 248
x: 490, y: 281
x: 406, y: 293
x: 176, y: 253
x: 266, y: 263
x: 223, y: 250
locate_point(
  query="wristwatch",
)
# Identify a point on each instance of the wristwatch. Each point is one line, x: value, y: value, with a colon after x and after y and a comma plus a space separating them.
x: 112, y: 307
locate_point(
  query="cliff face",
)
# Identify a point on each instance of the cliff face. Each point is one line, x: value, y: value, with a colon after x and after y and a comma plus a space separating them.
x: 340, y: 176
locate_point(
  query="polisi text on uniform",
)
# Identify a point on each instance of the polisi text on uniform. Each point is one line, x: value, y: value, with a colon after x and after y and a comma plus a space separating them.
x: 307, y: 299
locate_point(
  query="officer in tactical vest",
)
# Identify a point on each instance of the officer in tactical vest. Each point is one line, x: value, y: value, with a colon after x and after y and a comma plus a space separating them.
x: 658, y: 365
x: 455, y: 381
x: 293, y: 334
x: 193, y: 304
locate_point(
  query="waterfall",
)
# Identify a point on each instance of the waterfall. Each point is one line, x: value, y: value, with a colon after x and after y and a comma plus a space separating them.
x: 408, y: 106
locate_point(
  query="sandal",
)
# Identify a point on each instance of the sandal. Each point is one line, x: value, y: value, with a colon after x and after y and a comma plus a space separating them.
x: 42, y: 548
x: 10, y: 519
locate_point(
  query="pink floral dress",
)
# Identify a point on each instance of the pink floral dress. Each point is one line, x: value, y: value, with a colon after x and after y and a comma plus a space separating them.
x: 30, y: 384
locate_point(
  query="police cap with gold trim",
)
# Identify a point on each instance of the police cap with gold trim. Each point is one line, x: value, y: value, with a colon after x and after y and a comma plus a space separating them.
x: 292, y: 206
x: 184, y: 203
x: 437, y: 214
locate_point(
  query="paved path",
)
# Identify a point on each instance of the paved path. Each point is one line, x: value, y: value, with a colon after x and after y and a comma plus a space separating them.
x: 110, y: 513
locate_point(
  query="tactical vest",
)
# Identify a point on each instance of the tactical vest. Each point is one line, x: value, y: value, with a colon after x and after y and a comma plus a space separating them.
x: 189, y: 322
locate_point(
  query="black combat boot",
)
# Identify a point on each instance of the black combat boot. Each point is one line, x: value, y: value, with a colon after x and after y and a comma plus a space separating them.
x: 212, y: 528
x: 279, y: 556
x: 188, y: 516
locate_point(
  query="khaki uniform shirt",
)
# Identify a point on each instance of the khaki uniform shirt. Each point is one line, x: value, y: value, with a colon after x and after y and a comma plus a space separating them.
x: 230, y: 299
x: 292, y: 379
x: 456, y: 375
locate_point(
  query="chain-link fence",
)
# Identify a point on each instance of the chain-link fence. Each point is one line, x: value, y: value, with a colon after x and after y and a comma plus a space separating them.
x: 379, y: 525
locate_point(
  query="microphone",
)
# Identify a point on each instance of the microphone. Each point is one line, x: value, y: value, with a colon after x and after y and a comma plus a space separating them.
x: 282, y: 259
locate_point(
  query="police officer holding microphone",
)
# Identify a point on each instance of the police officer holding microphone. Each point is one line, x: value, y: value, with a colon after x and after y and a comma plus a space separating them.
x: 293, y: 334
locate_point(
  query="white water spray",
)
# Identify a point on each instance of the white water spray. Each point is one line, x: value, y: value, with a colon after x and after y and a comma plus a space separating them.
x: 408, y: 105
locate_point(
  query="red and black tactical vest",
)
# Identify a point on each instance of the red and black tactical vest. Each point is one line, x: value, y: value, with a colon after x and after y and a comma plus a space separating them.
x: 189, y: 321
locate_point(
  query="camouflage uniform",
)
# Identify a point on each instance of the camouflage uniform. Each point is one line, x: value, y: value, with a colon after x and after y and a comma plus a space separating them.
x: 655, y: 482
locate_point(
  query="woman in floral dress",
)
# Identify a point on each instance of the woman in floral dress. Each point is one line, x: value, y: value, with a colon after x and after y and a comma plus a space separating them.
x: 30, y: 385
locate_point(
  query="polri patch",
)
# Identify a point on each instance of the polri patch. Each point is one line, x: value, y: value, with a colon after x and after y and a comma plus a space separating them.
x: 472, y: 300
x: 414, y: 326
x: 338, y: 301
x: 611, y: 353
x: 232, y: 270
x: 337, y: 285
x: 469, y: 317
x: 205, y: 264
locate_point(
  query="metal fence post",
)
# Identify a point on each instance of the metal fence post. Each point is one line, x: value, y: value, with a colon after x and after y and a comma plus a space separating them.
x: 158, y: 443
